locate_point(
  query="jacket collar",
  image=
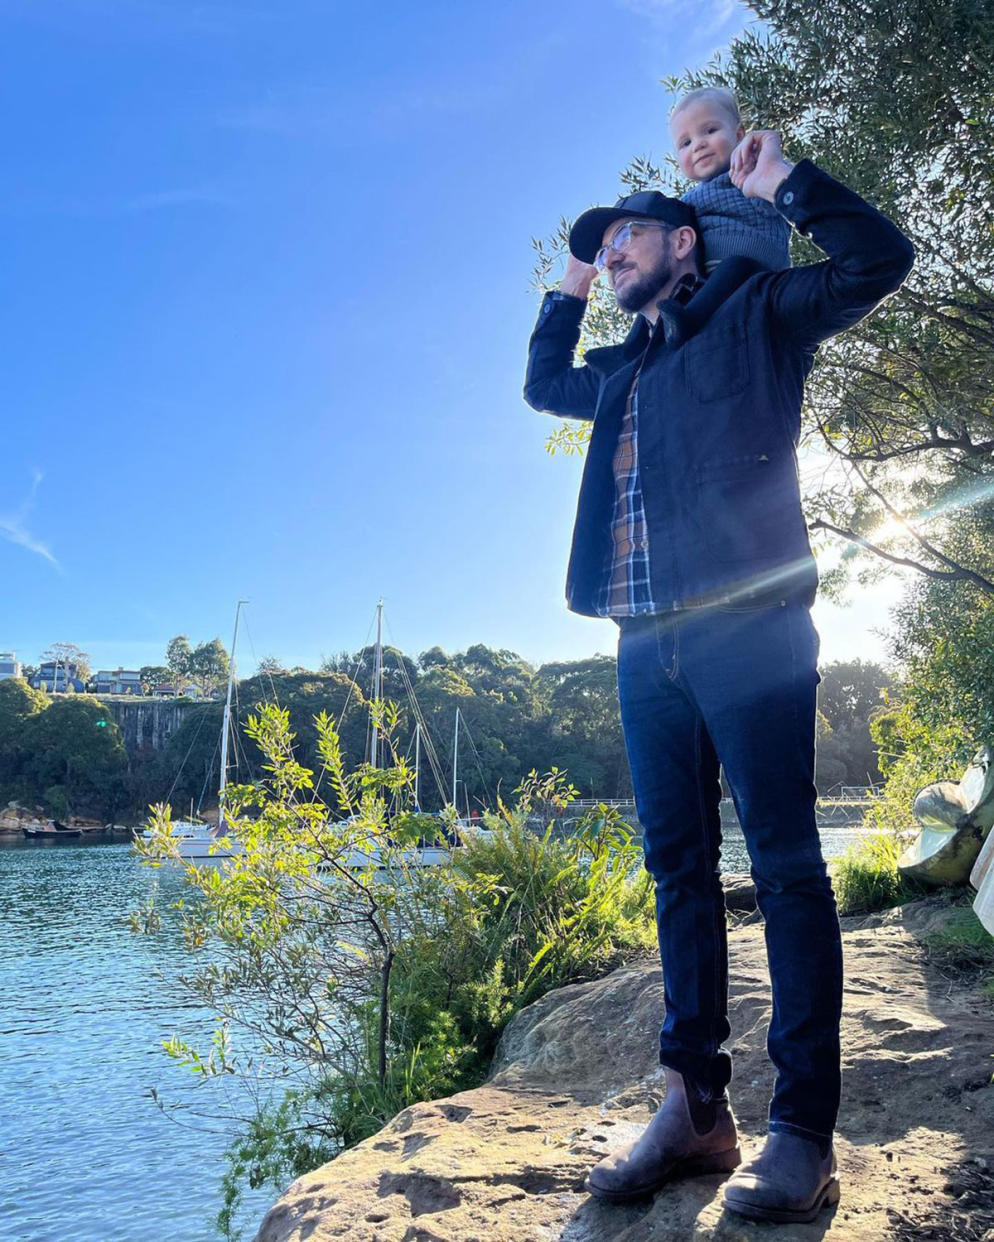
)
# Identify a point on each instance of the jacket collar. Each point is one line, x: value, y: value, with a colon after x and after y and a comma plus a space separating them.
x: 682, y: 315
x: 682, y: 318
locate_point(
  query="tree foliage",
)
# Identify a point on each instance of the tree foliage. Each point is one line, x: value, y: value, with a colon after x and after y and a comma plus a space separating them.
x: 151, y: 676
x: 18, y: 703
x: 514, y: 717
x: 944, y: 638
x: 73, y: 753
x: 178, y: 653
x: 851, y: 695
x: 206, y: 665
x: 902, y: 402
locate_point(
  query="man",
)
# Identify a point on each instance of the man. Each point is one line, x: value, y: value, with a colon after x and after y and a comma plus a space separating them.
x: 689, y: 533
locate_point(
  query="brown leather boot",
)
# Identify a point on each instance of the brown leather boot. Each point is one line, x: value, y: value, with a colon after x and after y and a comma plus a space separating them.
x: 686, y: 1138
x: 789, y: 1182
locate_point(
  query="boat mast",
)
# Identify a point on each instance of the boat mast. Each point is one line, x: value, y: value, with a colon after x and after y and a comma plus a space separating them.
x: 417, y: 766
x: 226, y: 723
x: 377, y: 686
x: 455, y: 762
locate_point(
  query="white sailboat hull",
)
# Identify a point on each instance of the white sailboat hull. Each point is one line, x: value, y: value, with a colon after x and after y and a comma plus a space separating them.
x: 205, y: 849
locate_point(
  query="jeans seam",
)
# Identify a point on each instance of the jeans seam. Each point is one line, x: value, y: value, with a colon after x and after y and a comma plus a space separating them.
x: 792, y: 638
x: 673, y: 671
x: 702, y: 813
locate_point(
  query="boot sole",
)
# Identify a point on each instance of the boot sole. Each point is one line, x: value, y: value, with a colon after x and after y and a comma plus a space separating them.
x: 786, y: 1216
x: 692, y: 1166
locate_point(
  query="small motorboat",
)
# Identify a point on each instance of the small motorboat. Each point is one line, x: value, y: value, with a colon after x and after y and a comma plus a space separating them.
x: 55, y: 831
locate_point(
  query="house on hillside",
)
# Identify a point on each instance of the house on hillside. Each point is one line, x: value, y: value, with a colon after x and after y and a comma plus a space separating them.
x: 118, y: 681
x: 10, y: 666
x: 55, y: 677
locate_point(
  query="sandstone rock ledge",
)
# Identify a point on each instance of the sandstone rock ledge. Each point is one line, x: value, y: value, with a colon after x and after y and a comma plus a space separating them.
x: 576, y: 1075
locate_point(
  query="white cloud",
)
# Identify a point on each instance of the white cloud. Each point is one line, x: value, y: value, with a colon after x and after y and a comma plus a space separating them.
x: 14, y: 526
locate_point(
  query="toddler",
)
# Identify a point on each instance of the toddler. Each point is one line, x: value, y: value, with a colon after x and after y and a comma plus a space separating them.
x: 706, y: 126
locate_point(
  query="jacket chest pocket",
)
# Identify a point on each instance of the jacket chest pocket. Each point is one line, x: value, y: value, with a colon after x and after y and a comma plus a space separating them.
x: 716, y: 367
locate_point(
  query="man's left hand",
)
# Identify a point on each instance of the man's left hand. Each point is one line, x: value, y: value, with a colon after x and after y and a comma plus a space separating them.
x: 758, y: 166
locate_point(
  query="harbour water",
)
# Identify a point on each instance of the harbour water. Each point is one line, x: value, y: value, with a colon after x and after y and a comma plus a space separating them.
x: 835, y: 840
x: 86, y: 1155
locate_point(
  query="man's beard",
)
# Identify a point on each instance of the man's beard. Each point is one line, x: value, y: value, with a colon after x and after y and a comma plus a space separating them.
x: 640, y: 292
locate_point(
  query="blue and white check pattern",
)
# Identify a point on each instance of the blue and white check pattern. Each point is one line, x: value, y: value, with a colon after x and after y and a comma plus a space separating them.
x: 626, y: 590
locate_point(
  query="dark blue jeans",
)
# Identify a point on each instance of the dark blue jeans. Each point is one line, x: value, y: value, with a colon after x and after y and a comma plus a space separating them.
x: 736, y: 687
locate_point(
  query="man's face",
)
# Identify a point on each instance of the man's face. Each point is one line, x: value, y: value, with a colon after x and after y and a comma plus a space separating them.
x: 704, y: 135
x: 643, y: 268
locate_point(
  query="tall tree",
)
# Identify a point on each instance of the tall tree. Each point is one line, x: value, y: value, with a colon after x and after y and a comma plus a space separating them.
x: 152, y: 675
x: 71, y: 658
x: 208, y: 665
x: 270, y: 665
x: 586, y: 725
x: 852, y: 694
x: 852, y: 691
x: 178, y: 654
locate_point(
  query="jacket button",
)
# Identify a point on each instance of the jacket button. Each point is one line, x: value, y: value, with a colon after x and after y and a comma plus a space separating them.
x: 788, y: 198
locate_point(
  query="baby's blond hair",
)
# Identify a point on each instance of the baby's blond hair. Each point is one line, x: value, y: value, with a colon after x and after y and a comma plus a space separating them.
x: 721, y: 95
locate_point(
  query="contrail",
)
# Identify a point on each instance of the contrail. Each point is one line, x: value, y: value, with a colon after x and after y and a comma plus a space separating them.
x: 13, y: 526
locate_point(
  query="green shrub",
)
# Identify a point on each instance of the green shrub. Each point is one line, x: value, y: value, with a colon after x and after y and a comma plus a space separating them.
x: 866, y: 877
x: 371, y: 990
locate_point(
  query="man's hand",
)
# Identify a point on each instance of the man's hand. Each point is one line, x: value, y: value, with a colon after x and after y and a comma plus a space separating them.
x: 758, y: 166
x: 578, y: 278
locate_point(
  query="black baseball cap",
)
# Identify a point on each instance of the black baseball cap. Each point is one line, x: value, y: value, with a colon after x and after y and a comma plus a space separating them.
x: 587, y: 235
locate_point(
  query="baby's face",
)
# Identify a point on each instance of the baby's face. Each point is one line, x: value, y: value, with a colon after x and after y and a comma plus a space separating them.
x: 704, y: 136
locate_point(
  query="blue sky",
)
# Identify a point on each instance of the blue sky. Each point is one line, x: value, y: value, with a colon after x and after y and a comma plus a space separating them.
x: 267, y: 295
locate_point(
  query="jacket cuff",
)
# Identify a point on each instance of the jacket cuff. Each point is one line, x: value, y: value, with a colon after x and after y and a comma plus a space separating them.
x: 562, y: 303
x: 795, y: 195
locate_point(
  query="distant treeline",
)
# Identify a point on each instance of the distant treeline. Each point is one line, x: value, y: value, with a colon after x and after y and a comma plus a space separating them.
x: 66, y: 754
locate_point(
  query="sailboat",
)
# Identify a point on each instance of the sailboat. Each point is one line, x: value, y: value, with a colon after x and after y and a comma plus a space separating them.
x: 200, y: 843
x: 426, y: 853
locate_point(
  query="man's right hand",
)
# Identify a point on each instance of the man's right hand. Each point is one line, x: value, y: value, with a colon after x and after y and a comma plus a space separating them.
x: 578, y: 278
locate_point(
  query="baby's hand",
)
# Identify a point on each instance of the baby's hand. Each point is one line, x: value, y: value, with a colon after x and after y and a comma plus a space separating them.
x: 757, y: 166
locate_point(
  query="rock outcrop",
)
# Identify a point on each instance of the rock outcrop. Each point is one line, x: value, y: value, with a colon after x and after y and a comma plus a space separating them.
x: 576, y: 1074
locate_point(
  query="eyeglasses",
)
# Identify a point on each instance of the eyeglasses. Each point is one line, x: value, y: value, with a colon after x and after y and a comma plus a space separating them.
x: 623, y: 239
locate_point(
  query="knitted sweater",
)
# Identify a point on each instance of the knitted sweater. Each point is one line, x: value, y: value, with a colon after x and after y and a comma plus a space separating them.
x: 732, y: 224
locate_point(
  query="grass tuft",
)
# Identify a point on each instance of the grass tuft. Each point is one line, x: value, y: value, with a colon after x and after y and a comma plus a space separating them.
x: 866, y: 877
x: 963, y: 943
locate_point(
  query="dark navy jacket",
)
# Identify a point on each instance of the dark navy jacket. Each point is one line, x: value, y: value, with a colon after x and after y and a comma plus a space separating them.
x: 720, y: 395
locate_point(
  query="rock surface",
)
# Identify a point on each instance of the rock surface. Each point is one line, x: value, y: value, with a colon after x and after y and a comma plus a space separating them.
x: 576, y: 1074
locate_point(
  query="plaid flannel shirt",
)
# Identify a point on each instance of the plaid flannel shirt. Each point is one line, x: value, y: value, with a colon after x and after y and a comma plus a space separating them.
x: 626, y: 590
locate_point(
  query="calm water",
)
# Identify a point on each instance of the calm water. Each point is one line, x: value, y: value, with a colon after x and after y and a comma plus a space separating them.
x: 835, y: 840
x: 85, y: 1154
